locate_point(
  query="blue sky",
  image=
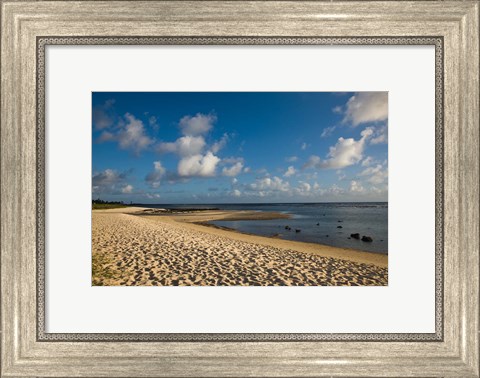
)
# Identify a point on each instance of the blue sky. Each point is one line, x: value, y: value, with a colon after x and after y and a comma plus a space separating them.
x: 239, y: 147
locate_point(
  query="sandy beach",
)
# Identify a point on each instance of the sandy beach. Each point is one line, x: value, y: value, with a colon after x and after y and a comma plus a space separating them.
x: 133, y: 247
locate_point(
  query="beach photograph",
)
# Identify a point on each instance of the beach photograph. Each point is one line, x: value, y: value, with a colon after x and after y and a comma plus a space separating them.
x: 239, y: 189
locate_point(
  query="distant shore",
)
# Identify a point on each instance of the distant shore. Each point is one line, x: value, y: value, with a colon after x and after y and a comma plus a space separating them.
x: 132, y: 247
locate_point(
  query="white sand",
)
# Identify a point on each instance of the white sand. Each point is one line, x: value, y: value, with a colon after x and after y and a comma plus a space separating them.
x: 170, y: 250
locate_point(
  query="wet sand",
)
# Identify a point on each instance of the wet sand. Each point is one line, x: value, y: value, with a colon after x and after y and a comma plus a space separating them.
x: 165, y: 249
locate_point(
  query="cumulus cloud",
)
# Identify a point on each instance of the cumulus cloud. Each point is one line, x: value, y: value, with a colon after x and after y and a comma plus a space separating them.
x: 183, y: 146
x: 291, y: 159
x: 236, y: 193
x: 376, y: 175
x: 232, y: 160
x: 154, y: 177
x: 102, y: 116
x: 106, y: 136
x: 218, y: 145
x: 290, y: 171
x: 198, y: 124
x: 304, y: 146
x: 197, y: 159
x: 267, y: 183
x: 380, y: 135
x: 233, y: 170
x: 356, y: 187
x: 366, y: 107
x: 346, y: 152
x: 303, y: 188
x: 129, y: 134
x: 198, y: 165
x: 367, y: 161
x: 127, y: 189
x: 132, y: 136
x: 107, y: 177
x: 108, y: 181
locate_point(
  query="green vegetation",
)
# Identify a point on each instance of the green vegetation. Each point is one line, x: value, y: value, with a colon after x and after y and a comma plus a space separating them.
x: 103, y: 268
x: 99, y: 204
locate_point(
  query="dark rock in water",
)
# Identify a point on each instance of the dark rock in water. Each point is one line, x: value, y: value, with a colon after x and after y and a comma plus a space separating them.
x: 348, y: 238
x: 326, y: 236
x: 318, y: 224
x: 339, y: 227
x: 355, y: 236
x: 323, y: 214
x: 287, y: 228
x: 367, y: 238
x: 340, y: 221
x: 297, y: 230
x: 381, y: 239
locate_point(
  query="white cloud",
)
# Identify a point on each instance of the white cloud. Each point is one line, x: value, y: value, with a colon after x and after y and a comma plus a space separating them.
x: 232, y: 160
x: 219, y: 144
x: 346, y: 152
x: 183, y: 146
x: 154, y: 178
x: 102, y: 116
x: 198, y: 165
x: 246, y: 170
x: 378, y: 174
x: 132, y: 136
x: 108, y: 181
x: 290, y: 171
x: 106, y: 136
x: 107, y: 177
x: 303, y: 188
x: 267, y: 183
x: 129, y: 133
x: 236, y: 193
x: 380, y: 136
x: 366, y: 107
x: 291, y: 159
x: 194, y: 162
x: 356, y: 187
x: 304, y: 146
x: 127, y: 189
x: 234, y: 170
x: 367, y: 161
x: 313, y: 161
x: 198, y: 124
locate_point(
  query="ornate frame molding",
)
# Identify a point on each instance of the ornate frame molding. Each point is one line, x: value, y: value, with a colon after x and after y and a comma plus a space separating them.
x: 26, y: 25
x: 42, y: 42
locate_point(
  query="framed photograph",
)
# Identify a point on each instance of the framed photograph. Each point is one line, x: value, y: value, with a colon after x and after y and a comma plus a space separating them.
x: 219, y: 188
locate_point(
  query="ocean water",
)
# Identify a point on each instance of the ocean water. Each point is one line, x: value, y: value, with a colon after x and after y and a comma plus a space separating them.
x: 318, y: 222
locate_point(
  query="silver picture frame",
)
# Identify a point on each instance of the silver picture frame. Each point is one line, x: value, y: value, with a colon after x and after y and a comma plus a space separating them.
x: 450, y: 26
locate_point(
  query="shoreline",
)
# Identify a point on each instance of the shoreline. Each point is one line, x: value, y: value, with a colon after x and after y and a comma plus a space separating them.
x: 198, y: 221
x: 130, y: 248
